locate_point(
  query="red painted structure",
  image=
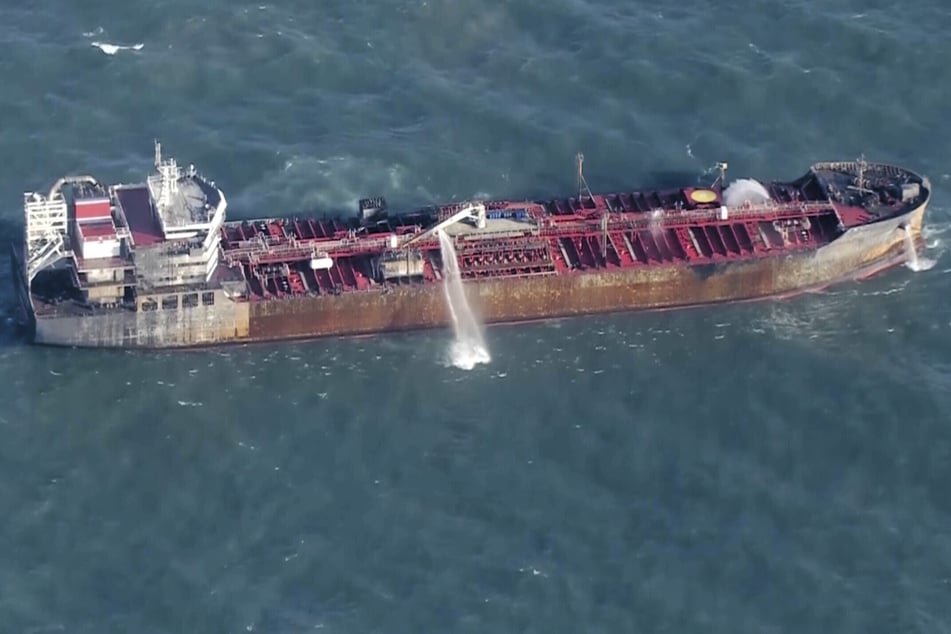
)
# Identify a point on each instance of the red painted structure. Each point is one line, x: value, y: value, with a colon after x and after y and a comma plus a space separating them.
x: 563, y: 236
x: 140, y: 214
x: 98, y: 229
x: 93, y: 210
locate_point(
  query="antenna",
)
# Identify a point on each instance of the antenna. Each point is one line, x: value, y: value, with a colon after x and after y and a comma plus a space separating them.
x: 582, y: 184
x: 158, y: 153
x: 861, y: 165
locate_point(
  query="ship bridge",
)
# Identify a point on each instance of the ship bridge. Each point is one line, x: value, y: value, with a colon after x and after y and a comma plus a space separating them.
x: 186, y: 205
x: 175, y: 220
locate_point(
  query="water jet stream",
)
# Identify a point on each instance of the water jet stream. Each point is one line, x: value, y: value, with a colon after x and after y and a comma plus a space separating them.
x: 912, y: 260
x: 468, y: 349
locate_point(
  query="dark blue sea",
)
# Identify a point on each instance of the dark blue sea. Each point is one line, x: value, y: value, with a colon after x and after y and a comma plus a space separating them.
x: 776, y: 467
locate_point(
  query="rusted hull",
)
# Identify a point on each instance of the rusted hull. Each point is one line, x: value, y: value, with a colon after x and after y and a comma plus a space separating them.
x: 857, y: 253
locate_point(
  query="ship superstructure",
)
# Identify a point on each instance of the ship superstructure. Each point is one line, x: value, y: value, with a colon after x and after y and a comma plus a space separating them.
x: 156, y: 264
x: 94, y: 247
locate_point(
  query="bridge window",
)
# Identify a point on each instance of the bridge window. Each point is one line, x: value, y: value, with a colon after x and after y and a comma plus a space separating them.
x: 170, y: 302
x: 149, y: 305
x: 190, y: 300
x: 208, y: 299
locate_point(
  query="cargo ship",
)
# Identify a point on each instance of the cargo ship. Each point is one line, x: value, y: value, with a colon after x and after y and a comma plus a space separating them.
x: 156, y: 264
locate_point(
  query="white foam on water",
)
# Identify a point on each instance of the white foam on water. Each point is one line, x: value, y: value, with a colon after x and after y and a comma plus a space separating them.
x: 933, y: 233
x: 468, y: 349
x: 112, y: 49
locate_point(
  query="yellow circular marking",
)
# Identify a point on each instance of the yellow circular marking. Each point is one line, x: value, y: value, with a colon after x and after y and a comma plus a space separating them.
x: 702, y: 196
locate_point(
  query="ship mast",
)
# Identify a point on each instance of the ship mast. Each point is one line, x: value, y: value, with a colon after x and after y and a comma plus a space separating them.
x: 859, y: 186
x: 582, y: 183
x: 584, y: 189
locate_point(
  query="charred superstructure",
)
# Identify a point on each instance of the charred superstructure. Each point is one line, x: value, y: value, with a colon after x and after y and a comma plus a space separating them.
x: 156, y: 264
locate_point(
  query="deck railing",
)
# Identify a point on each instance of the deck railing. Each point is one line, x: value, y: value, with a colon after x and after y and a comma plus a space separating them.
x: 261, y: 250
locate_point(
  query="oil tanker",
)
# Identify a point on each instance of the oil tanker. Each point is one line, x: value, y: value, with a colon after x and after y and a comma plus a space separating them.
x: 156, y: 264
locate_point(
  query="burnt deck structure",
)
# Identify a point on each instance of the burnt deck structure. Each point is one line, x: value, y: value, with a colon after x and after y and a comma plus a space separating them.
x: 561, y: 236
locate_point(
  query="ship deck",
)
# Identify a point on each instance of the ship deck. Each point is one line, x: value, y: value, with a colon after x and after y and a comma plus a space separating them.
x: 563, y: 236
x: 136, y: 205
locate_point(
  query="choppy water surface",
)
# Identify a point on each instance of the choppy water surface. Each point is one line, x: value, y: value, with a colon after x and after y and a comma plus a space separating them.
x: 777, y: 466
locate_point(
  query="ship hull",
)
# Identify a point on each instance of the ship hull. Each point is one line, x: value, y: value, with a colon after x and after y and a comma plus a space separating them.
x: 857, y: 253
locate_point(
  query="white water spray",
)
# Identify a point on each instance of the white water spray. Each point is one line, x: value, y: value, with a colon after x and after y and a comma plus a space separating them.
x: 654, y: 221
x: 469, y: 348
x: 912, y: 260
x: 744, y: 190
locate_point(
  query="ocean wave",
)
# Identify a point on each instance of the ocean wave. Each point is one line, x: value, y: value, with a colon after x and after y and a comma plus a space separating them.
x: 112, y: 49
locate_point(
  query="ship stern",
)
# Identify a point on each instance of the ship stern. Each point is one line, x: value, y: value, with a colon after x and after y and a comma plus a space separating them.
x: 23, y: 314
